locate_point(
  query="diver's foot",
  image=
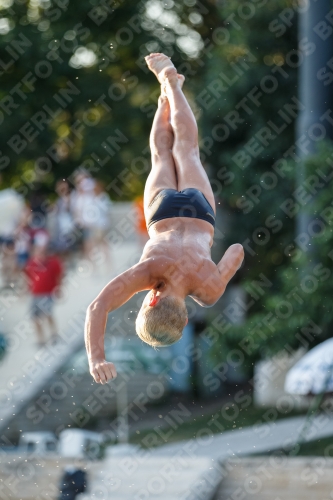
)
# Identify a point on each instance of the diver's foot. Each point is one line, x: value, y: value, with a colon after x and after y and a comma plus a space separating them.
x: 162, y: 67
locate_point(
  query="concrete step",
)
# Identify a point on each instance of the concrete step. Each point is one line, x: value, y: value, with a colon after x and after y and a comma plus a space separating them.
x: 137, y: 478
x: 269, y: 478
x: 261, y: 438
x: 130, y: 477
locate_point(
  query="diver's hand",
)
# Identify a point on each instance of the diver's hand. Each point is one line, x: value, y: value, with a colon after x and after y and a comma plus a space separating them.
x: 102, y: 371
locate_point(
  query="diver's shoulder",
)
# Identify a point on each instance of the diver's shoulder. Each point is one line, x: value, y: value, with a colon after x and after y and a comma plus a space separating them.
x: 153, y: 263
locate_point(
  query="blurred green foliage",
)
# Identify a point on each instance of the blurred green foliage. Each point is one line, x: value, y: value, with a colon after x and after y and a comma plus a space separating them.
x: 295, y: 309
x: 292, y: 308
x: 75, y: 88
x: 259, y: 85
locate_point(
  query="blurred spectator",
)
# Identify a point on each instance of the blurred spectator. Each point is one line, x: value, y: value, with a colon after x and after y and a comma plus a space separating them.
x: 141, y: 227
x: 44, y: 274
x: 23, y: 241
x: 92, y: 214
x: 82, y: 200
x: 83, y: 180
x: 22, y: 251
x: 65, y: 237
x: 8, y: 264
x: 99, y: 213
x: 38, y: 208
x: 11, y: 209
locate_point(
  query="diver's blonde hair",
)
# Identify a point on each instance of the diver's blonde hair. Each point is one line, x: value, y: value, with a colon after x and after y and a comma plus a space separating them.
x: 162, y: 324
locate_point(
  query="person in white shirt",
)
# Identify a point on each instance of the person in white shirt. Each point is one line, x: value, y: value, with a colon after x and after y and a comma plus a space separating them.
x: 65, y: 226
x: 82, y: 201
x: 98, y: 213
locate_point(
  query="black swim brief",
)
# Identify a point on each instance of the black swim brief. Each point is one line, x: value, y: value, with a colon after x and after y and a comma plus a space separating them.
x: 170, y: 203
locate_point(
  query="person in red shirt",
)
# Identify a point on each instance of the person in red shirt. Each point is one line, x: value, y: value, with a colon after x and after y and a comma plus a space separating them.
x: 44, y: 272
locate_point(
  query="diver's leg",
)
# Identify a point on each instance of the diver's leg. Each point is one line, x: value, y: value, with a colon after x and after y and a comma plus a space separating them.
x: 163, y: 172
x: 190, y: 172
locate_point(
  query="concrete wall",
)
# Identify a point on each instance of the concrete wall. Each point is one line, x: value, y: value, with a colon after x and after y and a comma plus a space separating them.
x: 72, y: 399
x: 277, y: 478
x: 269, y: 378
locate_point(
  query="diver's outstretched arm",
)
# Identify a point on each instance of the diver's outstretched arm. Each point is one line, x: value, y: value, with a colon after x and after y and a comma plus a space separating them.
x: 114, y: 295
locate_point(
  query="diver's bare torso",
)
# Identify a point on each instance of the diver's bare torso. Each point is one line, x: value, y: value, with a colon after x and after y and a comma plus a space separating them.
x: 179, y: 250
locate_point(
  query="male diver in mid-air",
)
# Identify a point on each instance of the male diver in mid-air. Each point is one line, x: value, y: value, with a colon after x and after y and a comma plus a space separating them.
x: 180, y: 216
